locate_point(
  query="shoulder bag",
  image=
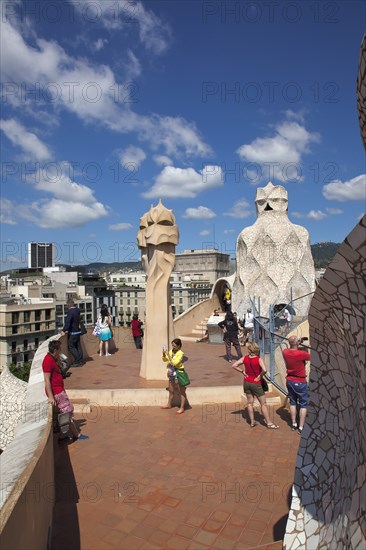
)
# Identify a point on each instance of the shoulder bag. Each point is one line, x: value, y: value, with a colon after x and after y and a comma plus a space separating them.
x: 183, y: 377
x: 264, y: 384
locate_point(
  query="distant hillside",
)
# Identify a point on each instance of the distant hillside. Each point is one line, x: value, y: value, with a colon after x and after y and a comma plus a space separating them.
x: 323, y: 253
x: 102, y: 266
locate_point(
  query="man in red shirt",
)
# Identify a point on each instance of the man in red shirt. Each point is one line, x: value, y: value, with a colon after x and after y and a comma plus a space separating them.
x: 137, y: 331
x: 54, y: 384
x: 296, y: 383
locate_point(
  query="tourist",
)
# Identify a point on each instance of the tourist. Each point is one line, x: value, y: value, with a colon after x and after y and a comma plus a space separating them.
x: 230, y: 328
x: 73, y: 331
x: 297, y: 387
x: 254, y: 370
x: 227, y: 299
x: 248, y: 323
x: 54, y: 384
x: 104, y: 322
x: 176, y: 374
x: 137, y: 331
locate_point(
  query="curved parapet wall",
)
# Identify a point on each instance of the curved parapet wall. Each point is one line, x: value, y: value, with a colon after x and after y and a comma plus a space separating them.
x: 27, y: 470
x: 12, y: 392
x: 328, y: 503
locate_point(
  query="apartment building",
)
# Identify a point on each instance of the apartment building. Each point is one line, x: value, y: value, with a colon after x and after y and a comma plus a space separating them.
x: 24, y: 324
x: 41, y: 255
x: 207, y: 264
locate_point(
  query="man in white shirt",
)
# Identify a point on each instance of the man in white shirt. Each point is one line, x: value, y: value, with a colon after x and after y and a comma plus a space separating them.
x: 248, y: 322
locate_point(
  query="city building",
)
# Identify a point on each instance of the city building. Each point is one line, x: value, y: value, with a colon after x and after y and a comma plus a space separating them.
x: 24, y: 324
x: 209, y: 264
x: 41, y: 255
x: 96, y: 287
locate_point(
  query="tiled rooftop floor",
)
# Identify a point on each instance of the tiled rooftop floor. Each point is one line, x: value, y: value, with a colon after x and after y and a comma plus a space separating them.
x: 150, y: 479
x: 206, y: 365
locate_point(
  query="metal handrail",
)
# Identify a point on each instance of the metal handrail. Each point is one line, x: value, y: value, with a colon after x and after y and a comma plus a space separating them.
x: 269, y: 340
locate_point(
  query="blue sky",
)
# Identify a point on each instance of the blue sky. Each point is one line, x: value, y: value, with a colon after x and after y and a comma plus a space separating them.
x: 109, y: 105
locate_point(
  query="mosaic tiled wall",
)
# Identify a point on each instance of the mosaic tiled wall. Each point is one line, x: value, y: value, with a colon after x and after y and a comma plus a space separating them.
x: 361, y: 91
x: 329, y: 492
x: 12, y: 392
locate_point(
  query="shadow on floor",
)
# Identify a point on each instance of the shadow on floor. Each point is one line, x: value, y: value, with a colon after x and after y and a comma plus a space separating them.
x: 65, y: 528
x: 279, y: 528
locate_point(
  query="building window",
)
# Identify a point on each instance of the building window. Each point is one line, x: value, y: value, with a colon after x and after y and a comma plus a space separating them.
x: 14, y: 359
x: 59, y: 310
x: 25, y: 344
x: 88, y: 307
x: 37, y: 326
x: 13, y: 346
x: 26, y: 358
x: 14, y: 330
x: 37, y: 315
x: 48, y: 314
x: 26, y: 316
x: 36, y: 342
x: 15, y: 317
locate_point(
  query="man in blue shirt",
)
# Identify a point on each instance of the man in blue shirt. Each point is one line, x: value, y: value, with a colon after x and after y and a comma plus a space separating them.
x: 72, y: 328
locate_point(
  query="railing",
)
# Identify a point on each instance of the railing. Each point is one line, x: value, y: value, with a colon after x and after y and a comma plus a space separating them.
x: 271, y: 342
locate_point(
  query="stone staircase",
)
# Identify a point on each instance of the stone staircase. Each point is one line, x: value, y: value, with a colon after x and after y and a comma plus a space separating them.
x: 197, y: 333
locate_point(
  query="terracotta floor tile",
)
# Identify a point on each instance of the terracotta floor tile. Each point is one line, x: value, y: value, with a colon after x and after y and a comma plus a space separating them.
x: 178, y: 509
x: 205, y: 537
x: 250, y: 537
x: 111, y: 519
x: 159, y: 538
x: 172, y: 502
x: 177, y: 543
x: 223, y: 544
x: 187, y: 531
x: 153, y: 520
x: 127, y: 525
x: 114, y: 538
x: 256, y: 525
x: 131, y: 542
x: 197, y: 546
x: 143, y: 531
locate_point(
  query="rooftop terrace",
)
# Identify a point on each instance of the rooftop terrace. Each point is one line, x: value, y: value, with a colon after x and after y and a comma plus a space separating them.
x: 148, y: 478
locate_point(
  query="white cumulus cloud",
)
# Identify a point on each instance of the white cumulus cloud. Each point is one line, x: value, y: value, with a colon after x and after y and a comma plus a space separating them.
x: 154, y: 33
x: 205, y: 233
x: 91, y: 91
x: 316, y: 215
x: 56, y: 213
x: 120, y: 226
x: 8, y: 212
x: 132, y: 157
x: 177, y: 183
x: 33, y: 148
x: 199, y: 213
x: 278, y: 156
x: 240, y: 210
x: 162, y: 160
x: 351, y: 190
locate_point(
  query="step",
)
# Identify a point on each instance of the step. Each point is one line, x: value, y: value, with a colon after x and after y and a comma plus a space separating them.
x: 82, y: 405
x: 189, y: 338
x: 198, y: 331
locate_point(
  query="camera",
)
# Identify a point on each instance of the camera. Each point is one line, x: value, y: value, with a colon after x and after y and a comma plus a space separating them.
x: 304, y: 339
x: 63, y: 366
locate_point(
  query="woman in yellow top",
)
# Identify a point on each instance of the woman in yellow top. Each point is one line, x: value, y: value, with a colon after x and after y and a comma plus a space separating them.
x: 174, y: 359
